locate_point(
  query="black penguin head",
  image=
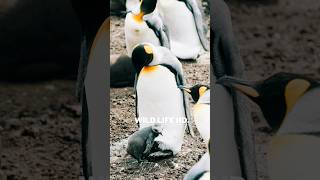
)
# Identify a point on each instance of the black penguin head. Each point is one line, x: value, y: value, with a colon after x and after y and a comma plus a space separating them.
x: 197, y: 91
x: 142, y: 55
x: 145, y: 7
x: 276, y: 95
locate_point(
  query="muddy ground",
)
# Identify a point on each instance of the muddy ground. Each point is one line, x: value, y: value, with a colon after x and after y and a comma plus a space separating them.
x: 39, y: 122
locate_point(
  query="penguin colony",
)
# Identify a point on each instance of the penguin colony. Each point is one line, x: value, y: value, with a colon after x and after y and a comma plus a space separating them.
x: 158, y: 35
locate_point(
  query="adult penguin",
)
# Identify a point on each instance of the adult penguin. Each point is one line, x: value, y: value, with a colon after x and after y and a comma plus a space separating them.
x: 201, y: 110
x: 95, y: 29
x: 160, y: 102
x: 290, y: 104
x: 201, y: 170
x: 232, y: 128
x: 144, y: 24
x: 185, y: 25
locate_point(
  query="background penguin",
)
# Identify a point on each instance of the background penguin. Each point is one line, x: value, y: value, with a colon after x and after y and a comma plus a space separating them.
x: 201, y: 110
x: 143, y: 24
x: 201, y: 170
x: 185, y: 27
x: 290, y: 104
x: 122, y: 72
x: 159, y: 73
x: 141, y: 142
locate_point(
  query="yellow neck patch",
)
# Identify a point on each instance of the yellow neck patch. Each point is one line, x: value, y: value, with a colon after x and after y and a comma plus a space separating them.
x: 202, y: 90
x: 294, y: 90
x: 250, y: 91
x: 148, y: 69
x: 148, y: 49
x: 139, y: 17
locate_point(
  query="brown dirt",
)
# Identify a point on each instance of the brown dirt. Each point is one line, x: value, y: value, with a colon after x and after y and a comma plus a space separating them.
x: 39, y: 131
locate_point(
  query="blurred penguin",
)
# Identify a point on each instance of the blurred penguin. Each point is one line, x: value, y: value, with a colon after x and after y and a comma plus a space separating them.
x: 290, y: 104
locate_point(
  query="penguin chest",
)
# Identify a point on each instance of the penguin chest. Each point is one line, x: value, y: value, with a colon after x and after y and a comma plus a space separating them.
x: 158, y: 94
x: 201, y: 113
x: 184, y: 39
x: 294, y: 157
x: 138, y: 32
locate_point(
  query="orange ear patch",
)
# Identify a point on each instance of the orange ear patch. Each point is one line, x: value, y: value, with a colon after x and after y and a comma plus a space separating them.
x: 202, y: 90
x: 294, y: 90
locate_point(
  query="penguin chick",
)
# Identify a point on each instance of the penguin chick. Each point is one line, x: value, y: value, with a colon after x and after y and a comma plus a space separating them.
x: 141, y: 142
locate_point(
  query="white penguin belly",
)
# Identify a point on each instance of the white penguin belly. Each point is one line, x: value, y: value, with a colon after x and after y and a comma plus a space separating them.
x: 184, y: 39
x: 294, y: 157
x: 201, y: 113
x: 160, y: 98
x: 138, y: 32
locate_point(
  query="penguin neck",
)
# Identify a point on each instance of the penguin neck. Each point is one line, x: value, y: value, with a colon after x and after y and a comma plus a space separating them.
x: 138, y: 17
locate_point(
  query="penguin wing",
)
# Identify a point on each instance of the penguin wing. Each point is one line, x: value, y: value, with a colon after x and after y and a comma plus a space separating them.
x: 136, y: 100
x: 174, y: 65
x: 155, y: 23
x: 193, y: 7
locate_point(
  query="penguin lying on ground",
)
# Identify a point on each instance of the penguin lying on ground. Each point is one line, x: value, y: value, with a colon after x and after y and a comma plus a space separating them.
x: 122, y: 72
x: 144, y: 25
x: 185, y: 26
x: 160, y: 103
x: 201, y: 110
x: 290, y: 104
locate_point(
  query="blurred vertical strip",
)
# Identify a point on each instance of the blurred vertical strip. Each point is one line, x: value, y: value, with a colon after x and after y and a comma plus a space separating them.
x: 92, y: 15
x: 226, y: 61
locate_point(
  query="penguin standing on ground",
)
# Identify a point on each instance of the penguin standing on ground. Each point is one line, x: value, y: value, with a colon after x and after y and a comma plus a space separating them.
x: 290, y: 104
x: 143, y: 24
x: 160, y: 102
x: 201, y: 110
x: 185, y: 26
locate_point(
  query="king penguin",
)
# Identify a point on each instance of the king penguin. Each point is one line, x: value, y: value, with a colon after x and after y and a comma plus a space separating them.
x: 201, y: 110
x: 290, y: 104
x: 160, y: 102
x: 201, y: 170
x: 185, y: 26
x: 143, y: 24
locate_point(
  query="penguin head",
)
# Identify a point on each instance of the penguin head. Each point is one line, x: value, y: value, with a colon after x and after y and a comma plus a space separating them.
x: 145, y: 7
x: 197, y: 91
x: 142, y: 55
x: 276, y: 95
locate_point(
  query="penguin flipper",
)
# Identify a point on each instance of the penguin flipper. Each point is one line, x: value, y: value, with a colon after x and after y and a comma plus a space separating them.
x: 155, y: 23
x: 136, y: 98
x: 149, y: 144
x: 175, y: 66
x: 193, y: 6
